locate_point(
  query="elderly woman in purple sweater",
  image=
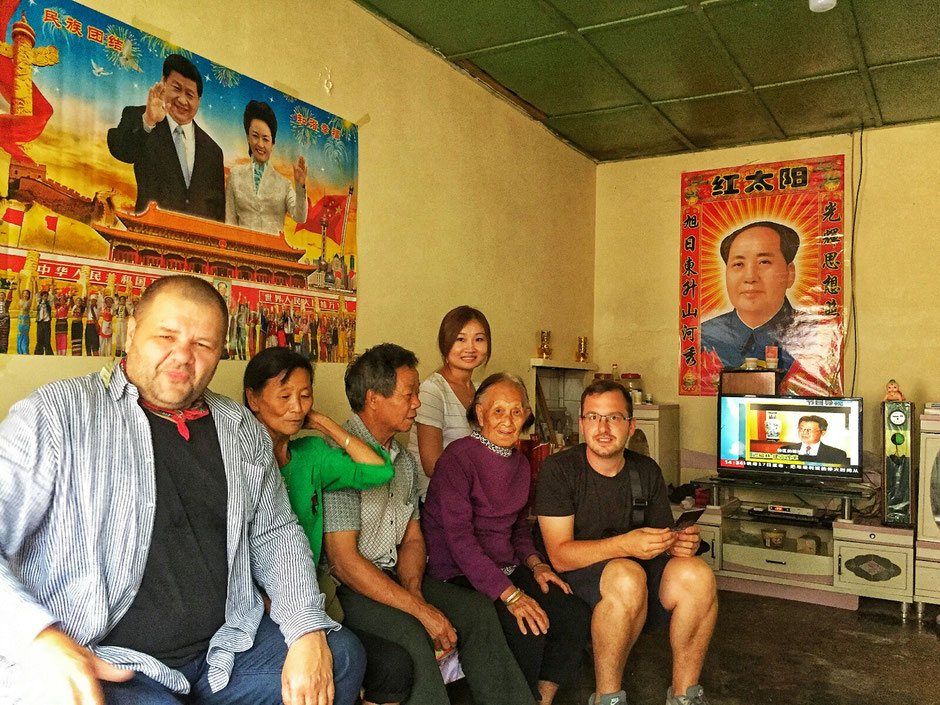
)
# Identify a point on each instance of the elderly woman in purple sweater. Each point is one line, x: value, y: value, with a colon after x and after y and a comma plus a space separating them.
x: 478, y: 536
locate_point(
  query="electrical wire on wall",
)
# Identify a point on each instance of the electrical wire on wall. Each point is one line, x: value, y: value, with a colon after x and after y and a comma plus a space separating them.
x: 853, y: 308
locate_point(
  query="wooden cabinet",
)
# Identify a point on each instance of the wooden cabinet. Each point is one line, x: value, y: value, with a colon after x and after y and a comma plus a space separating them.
x: 874, y: 561
x: 711, y: 539
x: 657, y: 434
x: 852, y: 559
x: 927, y: 549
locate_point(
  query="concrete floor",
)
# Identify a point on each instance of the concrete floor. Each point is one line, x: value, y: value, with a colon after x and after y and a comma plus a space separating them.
x: 768, y: 651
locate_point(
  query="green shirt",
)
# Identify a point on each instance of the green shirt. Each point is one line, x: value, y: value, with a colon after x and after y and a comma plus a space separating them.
x: 314, y: 468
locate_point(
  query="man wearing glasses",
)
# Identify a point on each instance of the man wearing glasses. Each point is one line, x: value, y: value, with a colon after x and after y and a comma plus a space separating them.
x: 606, y: 522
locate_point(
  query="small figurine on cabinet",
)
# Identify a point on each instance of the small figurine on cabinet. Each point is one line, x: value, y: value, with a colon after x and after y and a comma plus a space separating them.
x: 893, y: 392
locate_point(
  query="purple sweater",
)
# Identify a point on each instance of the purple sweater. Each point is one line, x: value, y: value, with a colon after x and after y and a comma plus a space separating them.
x: 475, y: 516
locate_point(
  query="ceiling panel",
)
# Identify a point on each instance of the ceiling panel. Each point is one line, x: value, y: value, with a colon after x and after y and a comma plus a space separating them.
x: 584, y: 14
x: 895, y: 30
x: 720, y: 120
x: 454, y: 26
x: 782, y: 40
x: 618, y: 134
x: 827, y: 105
x: 908, y: 92
x: 572, y: 64
x: 557, y: 76
x: 656, y: 55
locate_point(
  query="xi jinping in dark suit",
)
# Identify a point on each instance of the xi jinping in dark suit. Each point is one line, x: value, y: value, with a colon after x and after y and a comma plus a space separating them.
x: 176, y: 163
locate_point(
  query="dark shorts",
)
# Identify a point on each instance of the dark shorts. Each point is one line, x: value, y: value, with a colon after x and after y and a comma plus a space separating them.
x: 586, y: 584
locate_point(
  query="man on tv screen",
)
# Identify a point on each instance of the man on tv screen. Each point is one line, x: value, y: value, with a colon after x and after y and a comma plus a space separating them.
x: 811, y: 449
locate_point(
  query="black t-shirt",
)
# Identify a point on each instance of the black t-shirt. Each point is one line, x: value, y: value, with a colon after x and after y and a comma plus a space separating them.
x: 181, y: 601
x: 601, y: 505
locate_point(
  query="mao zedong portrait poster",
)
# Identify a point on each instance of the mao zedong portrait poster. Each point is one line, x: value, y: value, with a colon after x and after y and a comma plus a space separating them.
x: 761, y: 265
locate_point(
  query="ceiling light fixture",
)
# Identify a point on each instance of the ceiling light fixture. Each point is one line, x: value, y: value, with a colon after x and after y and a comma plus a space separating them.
x: 822, y: 5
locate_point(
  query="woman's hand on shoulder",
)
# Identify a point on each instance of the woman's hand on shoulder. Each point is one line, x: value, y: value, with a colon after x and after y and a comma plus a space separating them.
x: 317, y: 421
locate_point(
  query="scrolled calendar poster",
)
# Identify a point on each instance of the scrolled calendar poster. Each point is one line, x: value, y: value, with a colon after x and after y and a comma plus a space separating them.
x: 762, y: 274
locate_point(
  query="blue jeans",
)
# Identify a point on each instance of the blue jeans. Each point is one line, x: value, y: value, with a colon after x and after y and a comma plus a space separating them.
x: 256, y: 676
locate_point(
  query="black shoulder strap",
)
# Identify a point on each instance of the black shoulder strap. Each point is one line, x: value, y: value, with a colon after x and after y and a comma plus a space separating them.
x: 638, y: 514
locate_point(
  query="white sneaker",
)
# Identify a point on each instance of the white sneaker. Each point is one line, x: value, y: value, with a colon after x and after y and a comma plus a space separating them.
x: 618, y: 698
x: 694, y: 695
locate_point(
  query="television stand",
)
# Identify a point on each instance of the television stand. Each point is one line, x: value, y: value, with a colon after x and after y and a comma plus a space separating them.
x: 848, y: 492
x: 826, y: 558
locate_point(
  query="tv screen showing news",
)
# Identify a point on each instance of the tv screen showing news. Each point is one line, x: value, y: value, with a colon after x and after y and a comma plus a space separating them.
x: 790, y: 436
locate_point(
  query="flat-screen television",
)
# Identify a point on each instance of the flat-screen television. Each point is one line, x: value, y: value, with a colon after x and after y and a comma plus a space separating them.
x: 803, y: 438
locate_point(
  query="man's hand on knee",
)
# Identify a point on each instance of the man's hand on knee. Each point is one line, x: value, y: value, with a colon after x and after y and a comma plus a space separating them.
x: 646, y: 543
x: 307, y: 677
x: 438, y: 627
x: 66, y: 673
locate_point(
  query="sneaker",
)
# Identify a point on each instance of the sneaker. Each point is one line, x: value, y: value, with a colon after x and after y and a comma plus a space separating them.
x: 618, y: 698
x: 694, y: 695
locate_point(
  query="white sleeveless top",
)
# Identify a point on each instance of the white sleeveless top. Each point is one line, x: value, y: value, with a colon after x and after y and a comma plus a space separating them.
x: 440, y: 408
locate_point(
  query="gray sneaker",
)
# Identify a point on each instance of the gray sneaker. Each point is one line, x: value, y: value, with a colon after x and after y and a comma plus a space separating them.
x: 618, y: 698
x: 694, y: 695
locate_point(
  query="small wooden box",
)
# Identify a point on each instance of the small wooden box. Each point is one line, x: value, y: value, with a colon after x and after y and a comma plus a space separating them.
x: 808, y: 543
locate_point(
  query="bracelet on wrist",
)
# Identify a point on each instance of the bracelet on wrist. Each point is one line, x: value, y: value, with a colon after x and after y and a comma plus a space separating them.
x: 514, y: 597
x: 346, y: 442
x: 540, y: 563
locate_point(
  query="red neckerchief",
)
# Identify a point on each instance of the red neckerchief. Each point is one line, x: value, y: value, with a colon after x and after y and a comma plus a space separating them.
x: 178, y: 416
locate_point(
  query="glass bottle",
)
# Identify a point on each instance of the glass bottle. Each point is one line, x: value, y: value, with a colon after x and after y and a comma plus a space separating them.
x: 634, y: 386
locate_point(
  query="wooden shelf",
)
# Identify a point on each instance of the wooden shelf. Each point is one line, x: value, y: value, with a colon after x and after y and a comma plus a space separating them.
x: 563, y: 364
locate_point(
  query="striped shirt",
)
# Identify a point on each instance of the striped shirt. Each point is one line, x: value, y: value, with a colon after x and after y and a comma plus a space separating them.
x: 441, y: 409
x: 77, y: 498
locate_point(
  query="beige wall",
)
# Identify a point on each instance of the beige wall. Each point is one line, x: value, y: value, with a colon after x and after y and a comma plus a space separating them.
x: 462, y: 198
x: 637, y: 272
x: 465, y: 200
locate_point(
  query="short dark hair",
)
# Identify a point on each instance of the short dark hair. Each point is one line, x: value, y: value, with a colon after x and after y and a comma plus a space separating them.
x: 602, y: 386
x: 812, y: 418
x: 256, y: 110
x: 191, y: 286
x: 271, y: 363
x: 789, y: 240
x: 454, y: 322
x: 376, y: 369
x: 185, y: 68
x: 498, y: 378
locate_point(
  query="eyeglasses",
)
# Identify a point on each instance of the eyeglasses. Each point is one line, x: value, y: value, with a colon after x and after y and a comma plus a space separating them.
x: 609, y: 418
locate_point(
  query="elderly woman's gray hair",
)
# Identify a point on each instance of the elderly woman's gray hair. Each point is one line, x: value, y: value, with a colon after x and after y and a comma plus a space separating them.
x: 493, y: 379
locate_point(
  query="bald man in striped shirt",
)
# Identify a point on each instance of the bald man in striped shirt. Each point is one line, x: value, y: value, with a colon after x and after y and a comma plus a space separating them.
x: 139, y: 515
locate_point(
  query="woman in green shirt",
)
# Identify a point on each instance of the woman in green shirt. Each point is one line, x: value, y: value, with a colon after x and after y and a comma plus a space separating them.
x: 278, y: 386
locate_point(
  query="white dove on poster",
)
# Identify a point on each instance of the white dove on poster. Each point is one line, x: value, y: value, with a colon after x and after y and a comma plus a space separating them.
x: 126, y: 56
x: 99, y: 70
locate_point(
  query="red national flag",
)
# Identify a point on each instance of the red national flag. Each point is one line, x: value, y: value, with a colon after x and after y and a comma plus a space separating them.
x: 329, y: 208
x: 52, y: 222
x: 14, y: 217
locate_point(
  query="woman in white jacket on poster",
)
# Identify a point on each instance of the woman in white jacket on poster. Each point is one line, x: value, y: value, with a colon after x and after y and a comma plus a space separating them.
x: 256, y: 195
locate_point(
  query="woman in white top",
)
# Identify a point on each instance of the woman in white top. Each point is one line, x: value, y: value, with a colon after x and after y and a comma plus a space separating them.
x: 256, y: 195
x: 464, y: 342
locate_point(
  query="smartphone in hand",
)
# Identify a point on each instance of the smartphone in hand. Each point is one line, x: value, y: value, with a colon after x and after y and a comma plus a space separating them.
x: 688, y: 518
